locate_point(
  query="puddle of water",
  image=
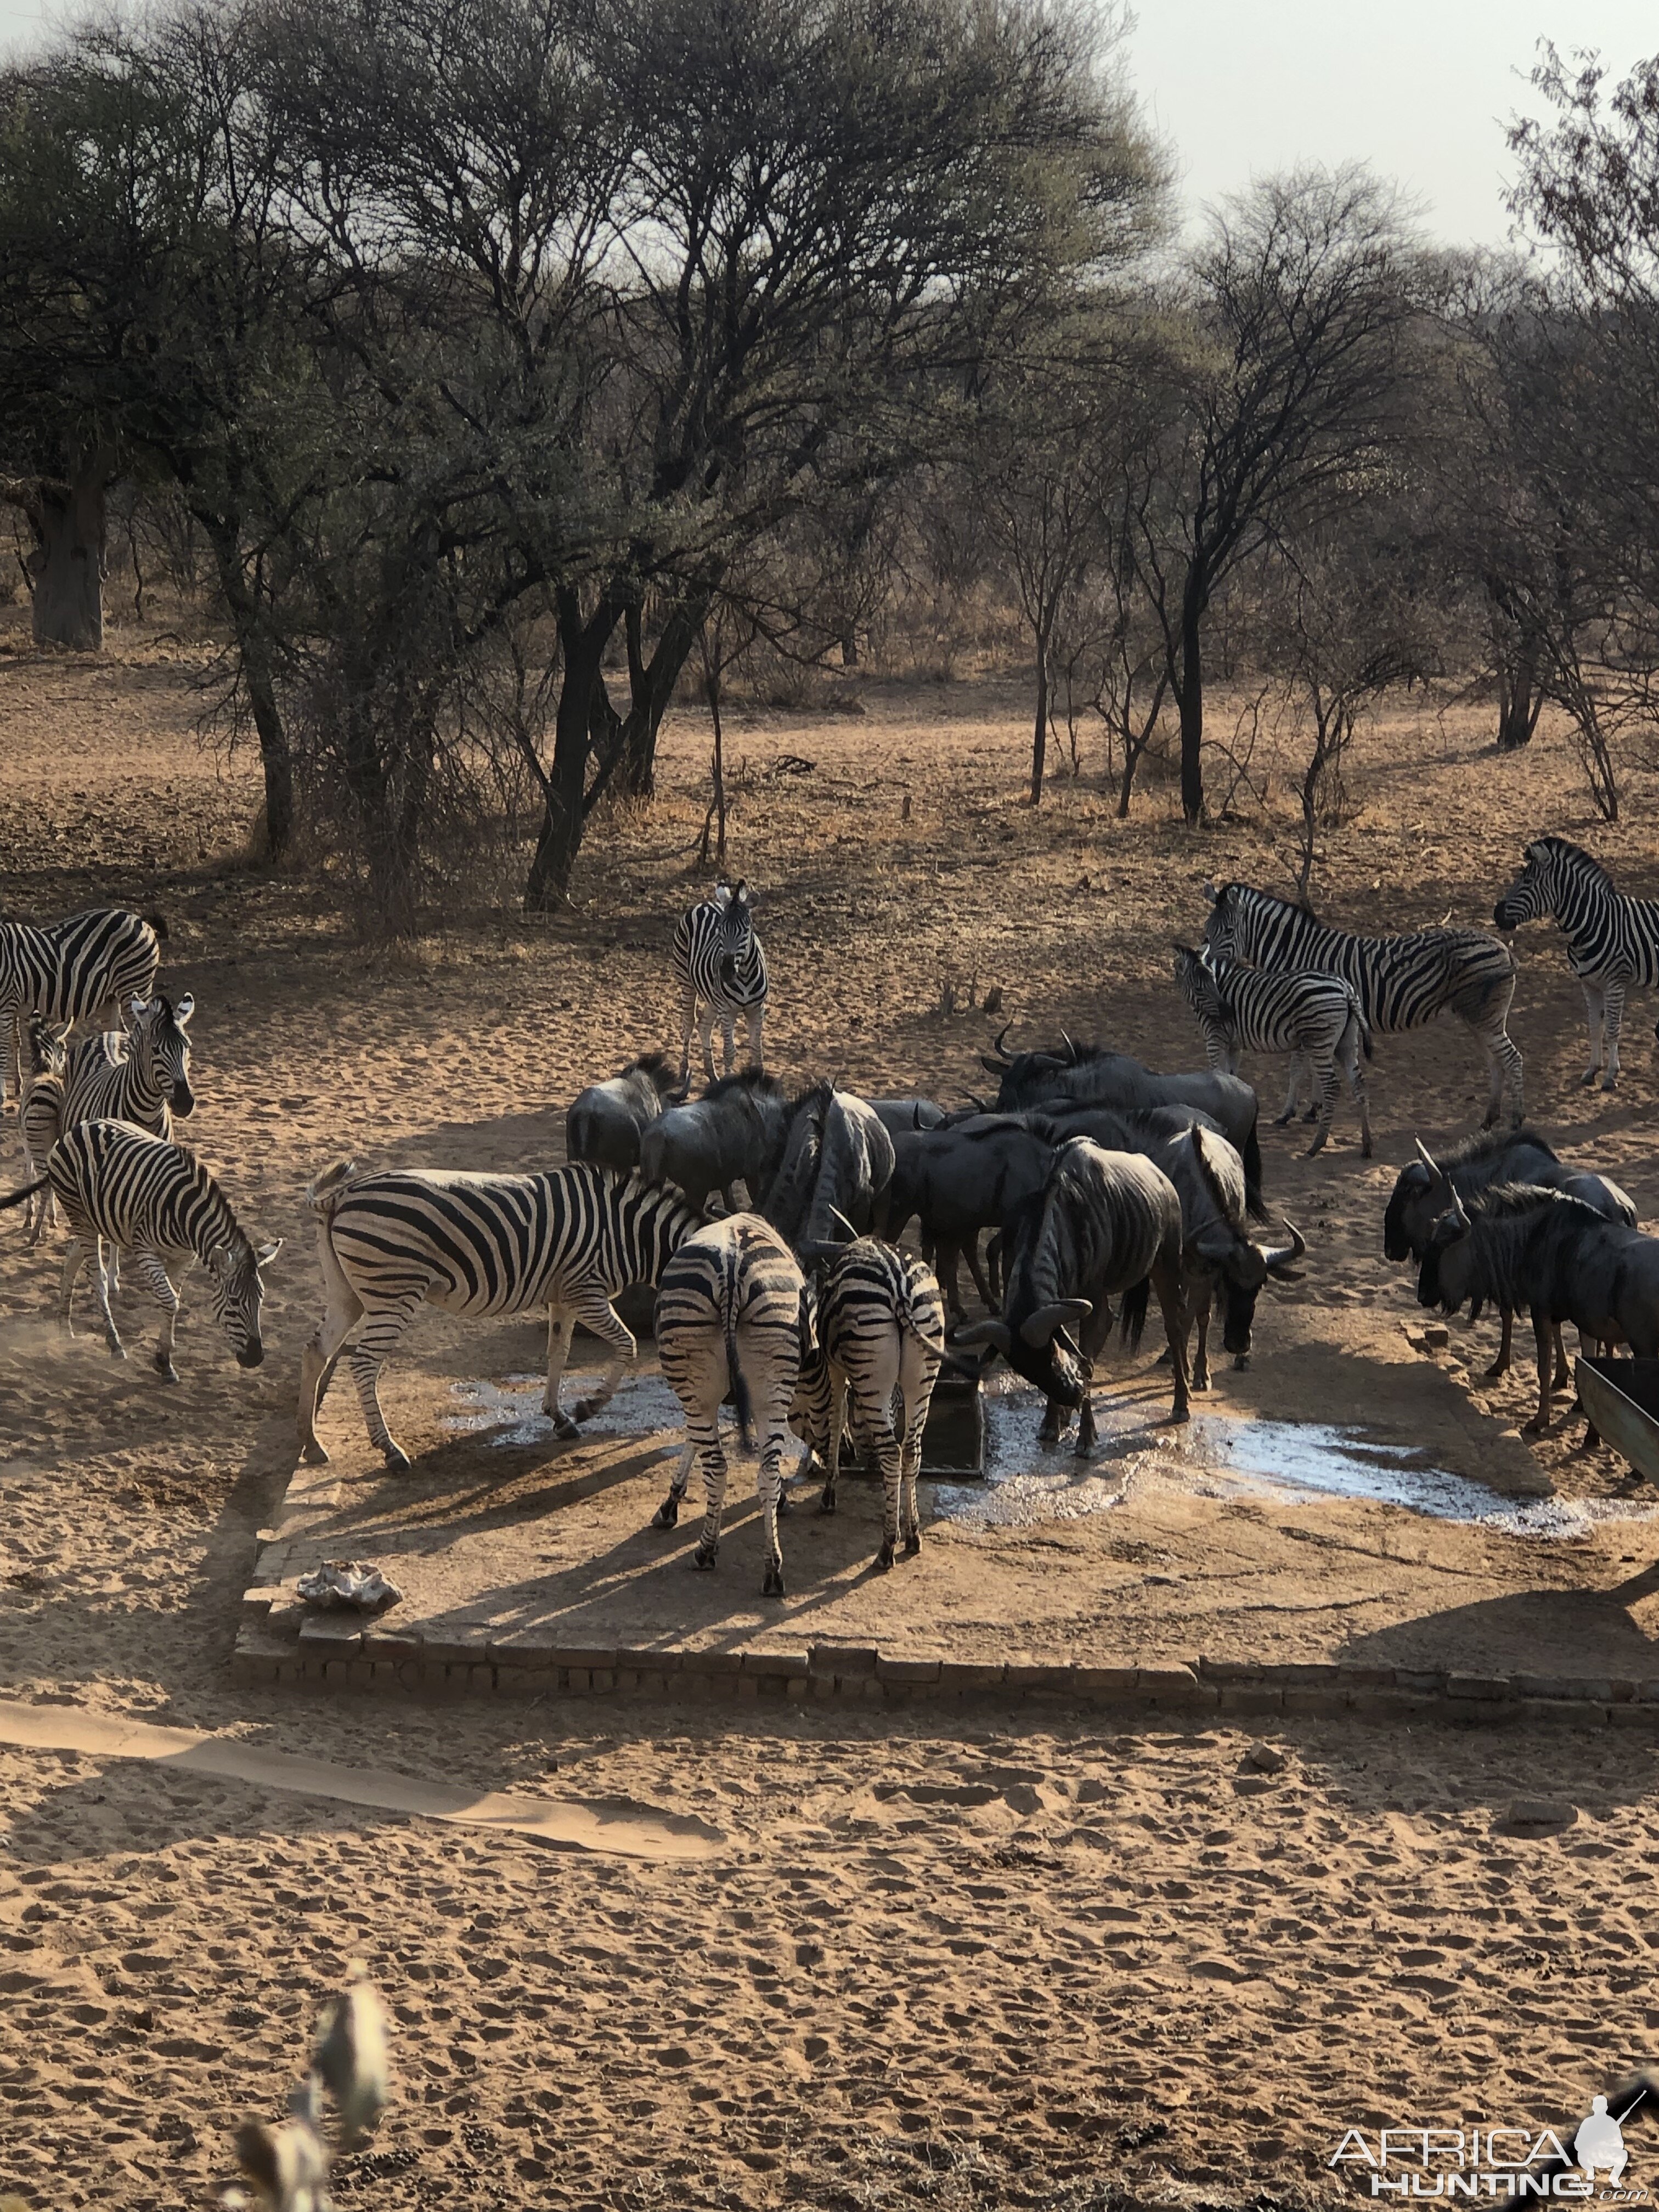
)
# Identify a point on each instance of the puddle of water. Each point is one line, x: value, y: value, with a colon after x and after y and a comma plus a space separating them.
x: 511, y: 1409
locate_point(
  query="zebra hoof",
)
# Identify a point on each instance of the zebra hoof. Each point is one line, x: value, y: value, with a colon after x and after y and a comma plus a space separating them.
x: 397, y: 1459
x: 827, y: 1503
x: 165, y: 1369
x: 1587, y: 1080
x: 1280, y: 1120
x: 313, y: 1455
x: 564, y: 1428
x: 773, y: 1585
x: 703, y: 1558
x: 1316, y: 1147
x: 1609, y: 1083
x: 885, y: 1557
x: 1241, y: 1363
x: 114, y: 1347
x: 913, y: 1544
x: 667, y: 1515
x: 585, y: 1408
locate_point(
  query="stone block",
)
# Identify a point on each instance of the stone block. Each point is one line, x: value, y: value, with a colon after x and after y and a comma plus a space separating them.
x: 1229, y: 1670
x: 1251, y: 1698
x: 1478, y: 1686
x: 711, y: 1662
x: 583, y: 1657
x: 1357, y: 1677
x: 1024, y: 1674
x: 390, y: 1643
x: 908, y: 1670
x: 1168, y: 1685
x: 1105, y: 1681
x: 1317, y: 1704
x: 972, y: 1674
x: 782, y: 1663
x: 843, y: 1661
x: 331, y: 1635
x: 452, y: 1646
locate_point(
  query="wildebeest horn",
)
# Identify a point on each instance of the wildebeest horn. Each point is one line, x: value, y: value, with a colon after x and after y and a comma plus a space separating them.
x: 1427, y: 1158
x: 841, y: 1222
x: 1041, y: 1328
x: 994, y: 1333
x: 1277, y: 1256
x: 1070, y: 1049
x: 998, y: 1048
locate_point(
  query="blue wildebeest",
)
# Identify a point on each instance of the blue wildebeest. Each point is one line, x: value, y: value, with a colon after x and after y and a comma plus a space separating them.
x: 607, y: 1119
x: 1104, y: 1225
x: 734, y: 1134
x: 837, y: 1161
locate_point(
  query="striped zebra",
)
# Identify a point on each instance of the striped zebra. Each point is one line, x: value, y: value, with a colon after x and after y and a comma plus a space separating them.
x: 140, y: 1194
x: 1401, y: 982
x: 1612, y: 941
x: 78, y: 970
x: 718, y: 962
x: 45, y: 1056
x: 567, y: 1241
x: 729, y: 1320
x: 1318, y: 1020
x: 876, y: 1345
x: 143, y: 1078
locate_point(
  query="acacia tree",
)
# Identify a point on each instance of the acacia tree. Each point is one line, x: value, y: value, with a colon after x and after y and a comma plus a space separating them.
x: 1292, y: 342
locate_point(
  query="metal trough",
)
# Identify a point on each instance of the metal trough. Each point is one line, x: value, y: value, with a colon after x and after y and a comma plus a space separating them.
x: 1620, y: 1398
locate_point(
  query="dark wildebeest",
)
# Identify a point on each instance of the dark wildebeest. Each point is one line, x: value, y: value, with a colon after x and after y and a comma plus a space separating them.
x: 960, y: 1180
x: 1217, y: 1248
x: 898, y: 1117
x: 834, y: 1171
x: 1423, y: 1189
x: 1104, y: 1225
x: 606, y: 1120
x: 1521, y: 1246
x: 734, y: 1132
x: 1089, y: 1075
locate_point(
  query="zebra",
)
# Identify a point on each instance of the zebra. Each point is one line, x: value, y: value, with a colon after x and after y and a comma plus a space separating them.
x: 143, y: 1079
x: 125, y: 1188
x: 72, y: 971
x: 1612, y: 941
x: 568, y: 1240
x: 876, y: 1339
x: 40, y: 1114
x: 718, y: 960
x: 729, y: 1319
x: 1401, y: 982
x: 1318, y: 1020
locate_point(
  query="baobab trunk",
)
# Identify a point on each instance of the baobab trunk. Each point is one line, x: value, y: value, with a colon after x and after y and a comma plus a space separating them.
x: 67, y: 565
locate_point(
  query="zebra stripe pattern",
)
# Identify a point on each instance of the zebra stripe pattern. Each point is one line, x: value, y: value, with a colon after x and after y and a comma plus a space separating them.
x: 73, y: 971
x: 143, y: 1079
x: 1401, y: 982
x: 1318, y: 1020
x: 719, y: 963
x: 40, y: 1116
x: 879, y: 1331
x: 137, y: 1193
x: 1612, y: 941
x: 729, y: 1320
x: 476, y: 1244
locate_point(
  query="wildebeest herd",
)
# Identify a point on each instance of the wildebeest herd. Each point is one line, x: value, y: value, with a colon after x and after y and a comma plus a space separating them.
x: 770, y: 1221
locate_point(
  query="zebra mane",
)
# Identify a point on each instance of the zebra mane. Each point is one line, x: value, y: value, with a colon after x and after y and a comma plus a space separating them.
x: 1487, y: 1143
x: 1265, y: 898
x: 1582, y: 863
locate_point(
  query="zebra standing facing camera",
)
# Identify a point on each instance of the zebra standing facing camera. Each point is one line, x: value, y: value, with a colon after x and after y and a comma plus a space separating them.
x: 719, y: 965
x: 1318, y: 1020
x: 1612, y: 941
x: 72, y: 971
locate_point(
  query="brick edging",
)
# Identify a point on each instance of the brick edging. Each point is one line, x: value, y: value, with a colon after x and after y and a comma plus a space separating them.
x: 324, y: 1651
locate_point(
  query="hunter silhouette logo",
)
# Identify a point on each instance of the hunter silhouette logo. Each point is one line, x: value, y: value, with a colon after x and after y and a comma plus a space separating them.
x: 1600, y: 2141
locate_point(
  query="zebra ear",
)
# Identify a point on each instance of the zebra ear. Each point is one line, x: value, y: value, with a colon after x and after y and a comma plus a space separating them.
x: 137, y: 1007
x: 1211, y: 893
x: 264, y: 1253
x: 184, y: 1010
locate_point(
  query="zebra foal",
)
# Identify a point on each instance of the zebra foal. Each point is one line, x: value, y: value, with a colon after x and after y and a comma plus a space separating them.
x: 40, y: 1114
x: 567, y: 1241
x: 72, y: 971
x: 143, y: 1078
x: 1318, y: 1020
x: 875, y: 1344
x: 1401, y: 982
x: 729, y: 1319
x: 719, y: 963
x: 1612, y: 941
x: 138, y: 1193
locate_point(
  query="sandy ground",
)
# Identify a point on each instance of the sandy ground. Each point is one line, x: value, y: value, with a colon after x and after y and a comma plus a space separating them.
x: 1007, y: 1965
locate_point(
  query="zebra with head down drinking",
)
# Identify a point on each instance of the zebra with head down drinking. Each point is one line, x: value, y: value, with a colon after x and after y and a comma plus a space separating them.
x: 1401, y: 982
x: 719, y: 965
x: 1612, y: 941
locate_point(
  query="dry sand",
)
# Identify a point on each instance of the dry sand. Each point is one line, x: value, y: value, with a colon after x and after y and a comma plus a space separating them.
x: 1010, y: 1964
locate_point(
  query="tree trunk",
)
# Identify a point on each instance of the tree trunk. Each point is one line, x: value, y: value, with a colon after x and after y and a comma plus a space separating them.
x: 1039, y: 732
x: 1520, y: 700
x: 651, y: 685
x: 253, y: 646
x: 67, y: 565
x: 564, y: 812
x: 849, y: 645
x: 1192, y: 704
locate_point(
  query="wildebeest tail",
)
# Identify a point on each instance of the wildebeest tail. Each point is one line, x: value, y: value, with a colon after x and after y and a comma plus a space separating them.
x: 1132, y: 1315
x: 16, y: 1197
x: 1250, y: 1153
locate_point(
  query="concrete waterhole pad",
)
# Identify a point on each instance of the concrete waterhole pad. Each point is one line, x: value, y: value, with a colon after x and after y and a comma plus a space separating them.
x: 1344, y: 1503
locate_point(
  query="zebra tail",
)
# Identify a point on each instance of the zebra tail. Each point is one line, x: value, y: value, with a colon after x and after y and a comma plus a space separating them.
x: 740, y: 1393
x: 158, y: 922
x: 1254, y: 1203
x: 16, y: 1197
x: 329, y: 1187
x: 1132, y: 1315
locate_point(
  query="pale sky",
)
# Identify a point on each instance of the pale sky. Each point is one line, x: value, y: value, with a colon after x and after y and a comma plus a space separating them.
x: 1419, y: 88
